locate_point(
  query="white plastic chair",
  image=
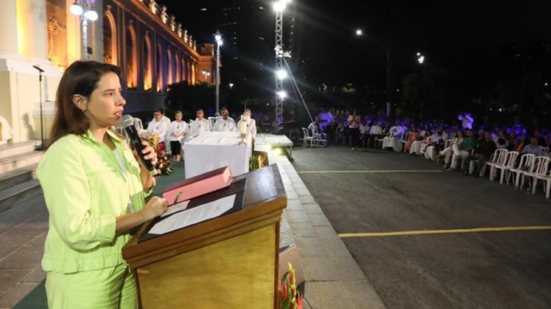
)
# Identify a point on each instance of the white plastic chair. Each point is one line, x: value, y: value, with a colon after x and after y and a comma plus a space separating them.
x: 307, y: 139
x: 525, y: 164
x: 508, y: 164
x: 542, y: 174
x: 497, y: 158
x: 546, y: 183
x: 319, y: 139
x: 539, y: 168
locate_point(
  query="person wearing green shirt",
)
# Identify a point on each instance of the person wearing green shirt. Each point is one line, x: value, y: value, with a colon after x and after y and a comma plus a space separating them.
x: 95, y: 191
x: 462, y: 150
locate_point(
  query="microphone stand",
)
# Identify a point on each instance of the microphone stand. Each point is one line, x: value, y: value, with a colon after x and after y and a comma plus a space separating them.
x: 40, y: 71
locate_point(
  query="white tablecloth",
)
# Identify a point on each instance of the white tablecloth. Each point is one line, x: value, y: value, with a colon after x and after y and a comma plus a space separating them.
x: 266, y: 142
x: 212, y: 150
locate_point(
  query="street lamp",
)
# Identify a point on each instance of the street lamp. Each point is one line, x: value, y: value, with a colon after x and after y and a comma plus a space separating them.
x: 420, y: 58
x: 86, y: 13
x: 206, y: 75
x: 359, y: 33
x: 219, y: 42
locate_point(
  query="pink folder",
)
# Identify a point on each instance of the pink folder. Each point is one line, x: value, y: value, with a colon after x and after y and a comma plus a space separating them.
x: 199, y: 185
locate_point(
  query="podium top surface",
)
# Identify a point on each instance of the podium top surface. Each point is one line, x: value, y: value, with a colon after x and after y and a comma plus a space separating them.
x: 263, y: 200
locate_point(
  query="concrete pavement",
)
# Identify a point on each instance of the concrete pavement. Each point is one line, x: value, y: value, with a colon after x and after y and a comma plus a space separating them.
x: 381, y: 191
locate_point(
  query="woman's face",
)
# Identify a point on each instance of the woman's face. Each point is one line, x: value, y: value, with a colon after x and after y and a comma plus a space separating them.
x: 105, y: 105
x: 178, y: 116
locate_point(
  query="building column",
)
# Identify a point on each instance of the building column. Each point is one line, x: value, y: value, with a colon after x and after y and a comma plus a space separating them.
x: 23, y: 45
x: 8, y: 27
x: 32, y: 28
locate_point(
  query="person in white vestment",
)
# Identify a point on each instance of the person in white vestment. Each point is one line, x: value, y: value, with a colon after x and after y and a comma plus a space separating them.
x: 200, y: 124
x: 247, y: 125
x: 176, y: 134
x: 225, y: 123
x: 157, y: 126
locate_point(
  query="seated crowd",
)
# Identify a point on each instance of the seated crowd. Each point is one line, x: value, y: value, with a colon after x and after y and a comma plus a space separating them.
x: 456, y: 146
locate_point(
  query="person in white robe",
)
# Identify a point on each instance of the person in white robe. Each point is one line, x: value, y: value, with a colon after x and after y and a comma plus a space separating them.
x: 225, y: 123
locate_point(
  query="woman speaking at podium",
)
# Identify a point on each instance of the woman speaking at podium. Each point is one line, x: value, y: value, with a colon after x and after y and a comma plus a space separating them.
x: 95, y: 192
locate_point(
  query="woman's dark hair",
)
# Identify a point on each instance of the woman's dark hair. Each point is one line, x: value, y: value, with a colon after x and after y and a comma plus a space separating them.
x: 81, y: 77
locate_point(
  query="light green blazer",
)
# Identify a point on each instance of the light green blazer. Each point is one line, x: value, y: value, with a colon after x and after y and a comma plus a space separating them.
x: 85, y: 190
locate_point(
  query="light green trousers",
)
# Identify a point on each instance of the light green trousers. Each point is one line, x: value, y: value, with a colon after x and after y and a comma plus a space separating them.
x: 105, y: 288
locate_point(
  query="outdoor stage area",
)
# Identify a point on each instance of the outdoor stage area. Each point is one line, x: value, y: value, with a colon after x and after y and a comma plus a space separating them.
x: 329, y: 269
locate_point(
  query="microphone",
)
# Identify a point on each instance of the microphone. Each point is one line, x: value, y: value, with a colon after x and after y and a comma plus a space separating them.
x: 127, y: 123
x: 38, y: 68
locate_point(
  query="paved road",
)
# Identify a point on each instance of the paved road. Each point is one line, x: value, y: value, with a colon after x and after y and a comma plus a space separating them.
x: 389, y: 192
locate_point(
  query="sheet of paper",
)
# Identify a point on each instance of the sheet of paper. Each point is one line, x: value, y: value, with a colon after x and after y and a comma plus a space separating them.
x: 175, y: 208
x: 194, y: 215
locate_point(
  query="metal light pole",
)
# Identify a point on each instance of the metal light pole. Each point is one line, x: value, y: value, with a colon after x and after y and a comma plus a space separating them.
x: 219, y: 42
x: 85, y: 14
x: 280, y: 95
x: 278, y: 64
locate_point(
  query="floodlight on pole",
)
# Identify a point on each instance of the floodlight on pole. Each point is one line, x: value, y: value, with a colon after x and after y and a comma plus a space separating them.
x: 281, y: 74
x: 359, y: 32
x: 219, y: 42
x: 282, y: 94
x: 279, y: 6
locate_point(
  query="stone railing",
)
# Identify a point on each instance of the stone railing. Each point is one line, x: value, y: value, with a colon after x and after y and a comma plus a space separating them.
x: 170, y: 21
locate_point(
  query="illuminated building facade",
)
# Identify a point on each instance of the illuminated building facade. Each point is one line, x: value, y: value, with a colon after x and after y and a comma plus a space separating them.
x: 143, y: 38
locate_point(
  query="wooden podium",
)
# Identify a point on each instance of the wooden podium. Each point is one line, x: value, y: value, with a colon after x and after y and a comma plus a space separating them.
x: 227, y: 262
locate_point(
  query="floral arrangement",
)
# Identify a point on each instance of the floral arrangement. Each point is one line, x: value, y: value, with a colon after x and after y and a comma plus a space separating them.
x: 163, y: 160
x: 290, y: 297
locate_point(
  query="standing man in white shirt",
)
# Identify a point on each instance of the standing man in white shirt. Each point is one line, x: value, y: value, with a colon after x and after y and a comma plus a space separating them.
x: 158, y: 126
x: 200, y: 124
x: 225, y: 123
x: 247, y: 125
x: 176, y: 132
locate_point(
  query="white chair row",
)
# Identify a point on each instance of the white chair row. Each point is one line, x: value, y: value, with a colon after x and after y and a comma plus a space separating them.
x: 529, y: 169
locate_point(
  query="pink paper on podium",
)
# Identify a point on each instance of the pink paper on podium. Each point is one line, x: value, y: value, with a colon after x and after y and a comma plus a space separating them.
x: 199, y: 185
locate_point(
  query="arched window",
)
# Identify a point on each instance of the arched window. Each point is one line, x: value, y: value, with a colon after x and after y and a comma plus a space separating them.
x: 148, y: 64
x: 109, y: 39
x: 131, y: 58
x: 159, y: 68
x: 169, y: 67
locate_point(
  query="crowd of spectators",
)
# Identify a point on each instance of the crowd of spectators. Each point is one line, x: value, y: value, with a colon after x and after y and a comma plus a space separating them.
x: 454, y: 144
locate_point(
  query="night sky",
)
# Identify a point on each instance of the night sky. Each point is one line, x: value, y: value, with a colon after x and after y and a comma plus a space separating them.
x: 475, y: 42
